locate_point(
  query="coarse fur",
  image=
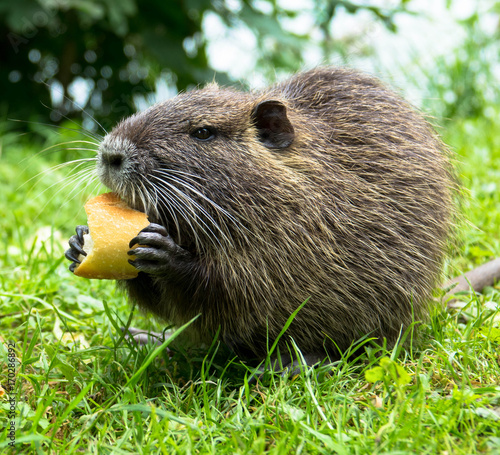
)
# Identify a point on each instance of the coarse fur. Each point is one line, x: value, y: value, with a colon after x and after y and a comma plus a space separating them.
x: 350, y: 208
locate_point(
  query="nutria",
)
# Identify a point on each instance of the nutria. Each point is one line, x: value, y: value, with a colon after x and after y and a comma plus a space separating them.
x: 327, y: 187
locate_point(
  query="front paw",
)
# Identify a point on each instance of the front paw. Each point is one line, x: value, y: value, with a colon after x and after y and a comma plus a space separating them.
x: 157, y: 253
x: 76, y: 247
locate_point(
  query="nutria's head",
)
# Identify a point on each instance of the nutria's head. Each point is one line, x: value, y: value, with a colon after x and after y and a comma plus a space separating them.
x: 188, y: 160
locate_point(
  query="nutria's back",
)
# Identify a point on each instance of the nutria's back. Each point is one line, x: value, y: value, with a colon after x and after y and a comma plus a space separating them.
x: 327, y: 187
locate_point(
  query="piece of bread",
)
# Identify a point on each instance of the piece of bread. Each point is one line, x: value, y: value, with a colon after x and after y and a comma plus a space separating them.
x: 112, y: 225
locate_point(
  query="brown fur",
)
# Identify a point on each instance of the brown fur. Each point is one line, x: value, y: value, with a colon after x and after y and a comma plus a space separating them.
x: 354, y: 215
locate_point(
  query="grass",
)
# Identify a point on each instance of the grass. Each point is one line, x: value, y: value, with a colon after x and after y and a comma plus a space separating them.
x: 80, y: 387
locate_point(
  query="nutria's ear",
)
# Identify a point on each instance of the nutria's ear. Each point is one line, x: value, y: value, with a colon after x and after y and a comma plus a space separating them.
x: 275, y: 130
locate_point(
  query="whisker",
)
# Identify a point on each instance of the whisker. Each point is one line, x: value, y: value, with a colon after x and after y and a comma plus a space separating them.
x: 88, y: 175
x: 55, y: 168
x: 176, y: 207
x: 90, y: 179
x: 77, y: 130
x: 198, y: 193
x: 157, y: 206
x: 180, y: 208
x: 74, y: 103
x: 71, y: 178
x: 192, y: 177
x: 192, y: 205
x: 226, y: 215
x: 160, y: 207
x: 144, y: 196
x: 70, y: 142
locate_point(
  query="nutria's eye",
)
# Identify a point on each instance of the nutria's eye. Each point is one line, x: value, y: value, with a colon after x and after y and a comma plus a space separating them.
x: 204, y: 134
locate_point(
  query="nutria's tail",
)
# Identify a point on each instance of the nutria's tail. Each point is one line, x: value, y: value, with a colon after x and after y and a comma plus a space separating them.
x: 477, y: 279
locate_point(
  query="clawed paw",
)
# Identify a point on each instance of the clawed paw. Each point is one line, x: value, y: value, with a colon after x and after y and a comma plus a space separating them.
x: 155, y: 251
x: 76, y: 247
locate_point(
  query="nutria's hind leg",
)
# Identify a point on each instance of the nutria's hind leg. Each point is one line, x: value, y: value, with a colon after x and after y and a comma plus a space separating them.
x: 308, y: 360
x: 292, y: 367
x: 144, y: 337
x: 287, y: 366
x: 76, y: 247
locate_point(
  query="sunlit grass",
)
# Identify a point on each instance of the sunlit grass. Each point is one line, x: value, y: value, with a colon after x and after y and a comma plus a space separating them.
x: 82, y: 388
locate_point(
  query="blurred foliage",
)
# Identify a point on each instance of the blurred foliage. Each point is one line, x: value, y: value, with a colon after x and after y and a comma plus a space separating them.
x: 116, y: 50
x: 465, y: 83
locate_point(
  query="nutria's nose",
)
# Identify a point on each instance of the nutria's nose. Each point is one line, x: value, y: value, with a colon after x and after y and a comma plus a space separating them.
x: 113, y: 160
x: 113, y: 153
